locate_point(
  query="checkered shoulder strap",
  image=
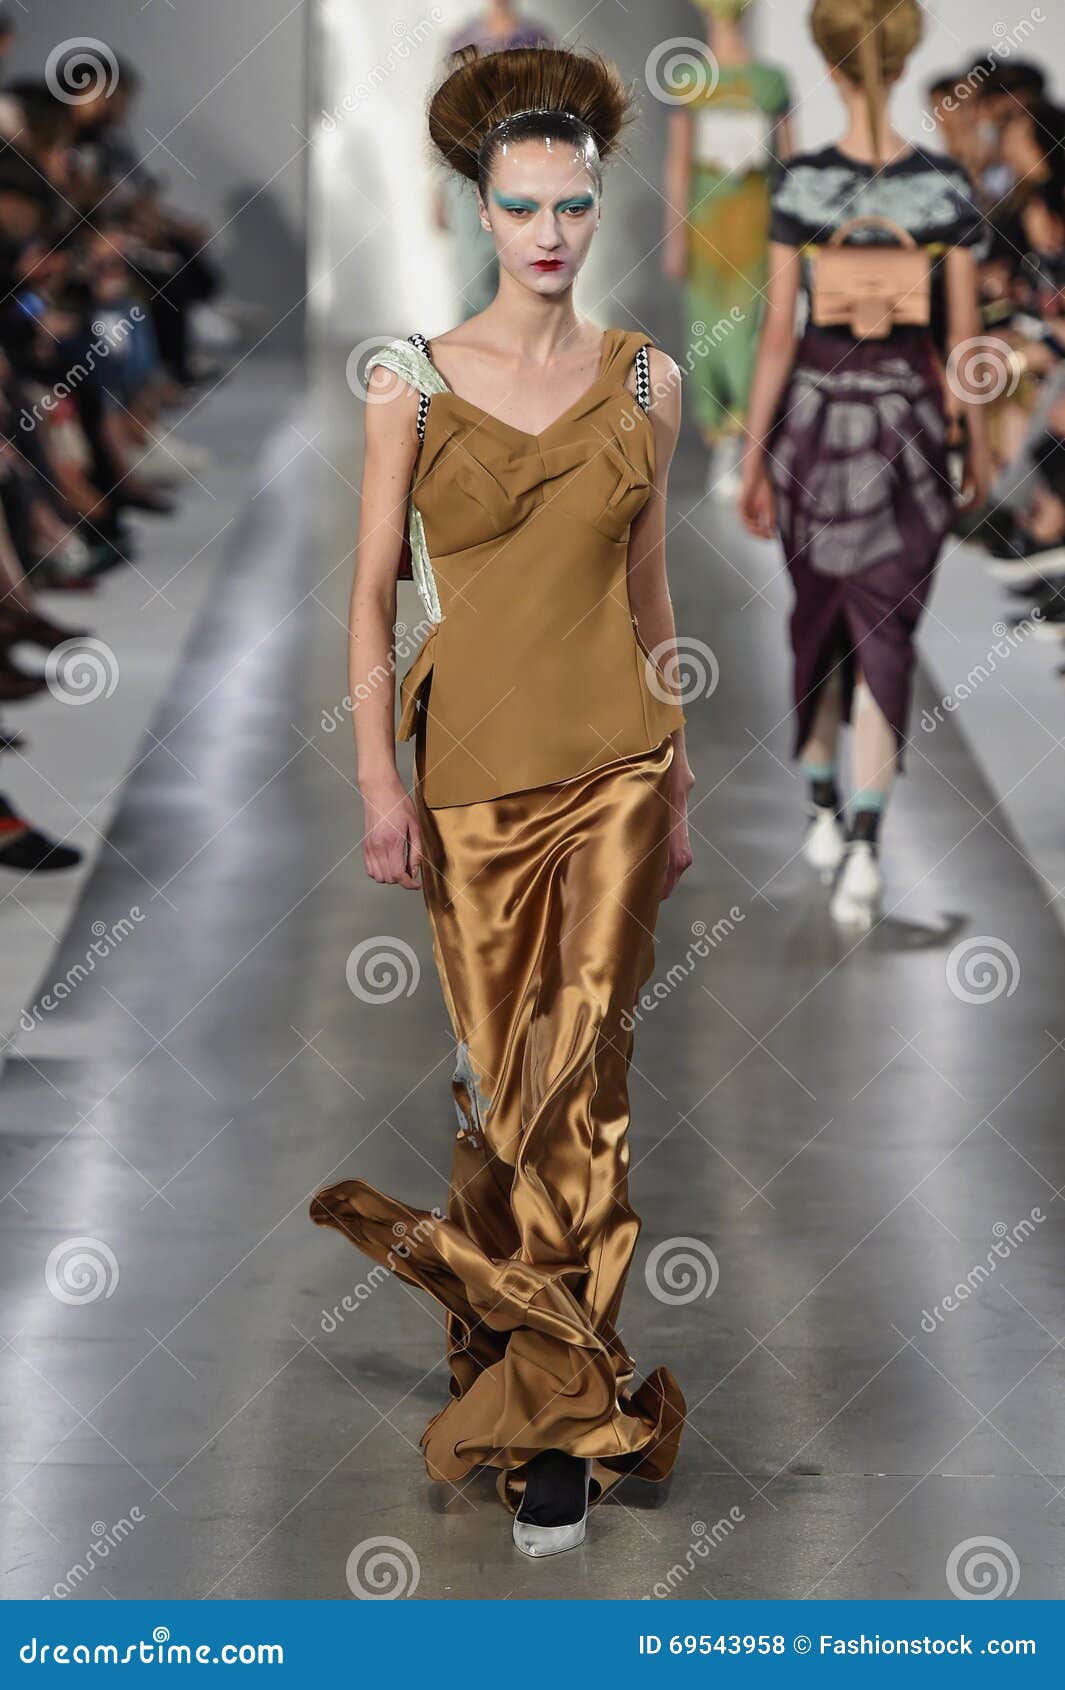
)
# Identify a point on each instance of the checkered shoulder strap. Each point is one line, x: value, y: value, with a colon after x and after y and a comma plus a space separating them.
x: 422, y: 345
x: 643, y: 378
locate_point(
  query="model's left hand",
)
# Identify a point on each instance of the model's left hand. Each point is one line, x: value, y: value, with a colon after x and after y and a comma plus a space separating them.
x: 757, y: 505
x: 680, y: 853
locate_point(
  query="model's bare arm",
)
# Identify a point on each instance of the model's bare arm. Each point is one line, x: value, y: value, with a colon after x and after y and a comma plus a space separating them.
x: 963, y: 324
x: 776, y: 355
x: 391, y: 841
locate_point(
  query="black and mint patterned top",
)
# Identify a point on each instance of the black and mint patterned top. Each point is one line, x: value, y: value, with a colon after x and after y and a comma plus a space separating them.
x: 928, y: 193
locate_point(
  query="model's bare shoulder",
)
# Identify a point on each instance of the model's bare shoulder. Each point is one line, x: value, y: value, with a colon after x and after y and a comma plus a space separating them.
x: 391, y: 413
x: 666, y: 379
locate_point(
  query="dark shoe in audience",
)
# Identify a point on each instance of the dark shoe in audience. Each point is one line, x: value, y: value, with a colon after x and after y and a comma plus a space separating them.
x: 16, y: 685
x: 17, y: 624
x: 1040, y: 561
x: 106, y: 557
x: 139, y: 496
x: 1051, y: 625
x: 47, y: 577
x: 28, y: 851
x: 998, y: 531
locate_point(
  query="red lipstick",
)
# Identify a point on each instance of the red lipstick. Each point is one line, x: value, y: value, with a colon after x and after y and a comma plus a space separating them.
x: 548, y: 264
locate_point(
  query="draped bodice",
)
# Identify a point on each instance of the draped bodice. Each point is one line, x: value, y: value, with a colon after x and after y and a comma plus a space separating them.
x: 532, y: 671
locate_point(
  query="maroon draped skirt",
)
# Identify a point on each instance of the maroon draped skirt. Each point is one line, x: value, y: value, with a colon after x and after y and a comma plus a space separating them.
x: 858, y: 461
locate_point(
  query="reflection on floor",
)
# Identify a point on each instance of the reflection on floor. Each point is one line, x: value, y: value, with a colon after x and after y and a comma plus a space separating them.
x: 834, y: 1133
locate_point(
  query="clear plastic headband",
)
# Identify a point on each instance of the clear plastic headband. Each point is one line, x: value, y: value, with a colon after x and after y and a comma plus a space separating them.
x: 528, y: 111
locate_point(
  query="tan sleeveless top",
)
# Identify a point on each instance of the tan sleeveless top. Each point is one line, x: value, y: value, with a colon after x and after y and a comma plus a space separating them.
x: 533, y: 671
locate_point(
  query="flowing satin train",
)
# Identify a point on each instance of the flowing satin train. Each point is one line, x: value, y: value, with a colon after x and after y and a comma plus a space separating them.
x: 542, y: 909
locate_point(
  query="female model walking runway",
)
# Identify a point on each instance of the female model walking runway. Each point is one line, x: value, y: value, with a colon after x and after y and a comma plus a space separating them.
x: 848, y: 442
x: 548, y: 817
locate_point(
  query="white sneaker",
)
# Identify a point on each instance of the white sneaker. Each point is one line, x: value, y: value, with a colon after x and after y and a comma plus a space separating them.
x: 725, y: 479
x: 825, y: 844
x: 860, y: 890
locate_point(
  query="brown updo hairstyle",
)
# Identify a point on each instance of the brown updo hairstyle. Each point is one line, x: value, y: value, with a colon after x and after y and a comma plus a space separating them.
x: 868, y: 40
x: 485, y: 88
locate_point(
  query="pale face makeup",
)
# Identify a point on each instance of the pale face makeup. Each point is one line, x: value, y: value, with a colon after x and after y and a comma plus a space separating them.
x: 543, y: 209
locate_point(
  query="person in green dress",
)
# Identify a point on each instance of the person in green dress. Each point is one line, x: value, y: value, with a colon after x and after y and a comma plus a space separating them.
x: 729, y: 126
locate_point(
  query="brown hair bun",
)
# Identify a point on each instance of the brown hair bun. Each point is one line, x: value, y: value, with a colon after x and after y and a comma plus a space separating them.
x: 545, y: 83
x: 840, y: 27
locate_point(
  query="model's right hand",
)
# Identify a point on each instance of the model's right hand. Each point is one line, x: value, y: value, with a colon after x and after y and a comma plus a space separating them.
x: 392, y: 843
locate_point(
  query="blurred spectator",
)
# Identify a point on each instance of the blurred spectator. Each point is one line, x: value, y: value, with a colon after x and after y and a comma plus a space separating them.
x: 98, y: 278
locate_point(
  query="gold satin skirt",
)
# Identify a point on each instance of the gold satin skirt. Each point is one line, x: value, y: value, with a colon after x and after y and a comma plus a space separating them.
x: 542, y: 906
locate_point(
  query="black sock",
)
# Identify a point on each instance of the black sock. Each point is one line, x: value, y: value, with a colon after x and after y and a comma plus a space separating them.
x: 825, y: 794
x: 865, y: 825
x: 554, y: 1489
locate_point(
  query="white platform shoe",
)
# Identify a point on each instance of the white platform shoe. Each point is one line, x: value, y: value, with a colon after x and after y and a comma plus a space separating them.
x: 825, y: 844
x: 859, y: 895
x: 552, y: 1540
x: 725, y: 472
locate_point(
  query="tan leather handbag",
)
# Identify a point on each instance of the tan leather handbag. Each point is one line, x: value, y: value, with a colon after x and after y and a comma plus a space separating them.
x: 873, y: 286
